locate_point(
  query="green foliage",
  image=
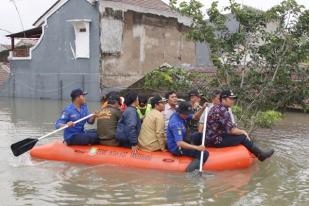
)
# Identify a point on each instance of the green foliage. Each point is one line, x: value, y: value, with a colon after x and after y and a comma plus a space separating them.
x: 237, y: 111
x: 306, y: 108
x: 178, y: 79
x: 168, y: 79
x: 262, y: 119
x: 261, y: 60
x: 268, y: 118
x: 173, y: 4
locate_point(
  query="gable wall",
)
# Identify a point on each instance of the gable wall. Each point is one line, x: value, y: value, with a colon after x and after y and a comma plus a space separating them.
x: 53, y: 71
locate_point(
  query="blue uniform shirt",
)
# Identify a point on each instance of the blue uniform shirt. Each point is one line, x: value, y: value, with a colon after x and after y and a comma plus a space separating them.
x: 71, y: 113
x: 176, y: 131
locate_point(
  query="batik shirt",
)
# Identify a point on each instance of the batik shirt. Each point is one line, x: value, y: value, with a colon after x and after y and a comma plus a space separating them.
x: 219, y: 123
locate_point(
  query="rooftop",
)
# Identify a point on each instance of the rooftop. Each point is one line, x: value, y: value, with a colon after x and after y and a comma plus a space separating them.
x: 30, y: 33
x: 158, y: 5
x: 149, y: 4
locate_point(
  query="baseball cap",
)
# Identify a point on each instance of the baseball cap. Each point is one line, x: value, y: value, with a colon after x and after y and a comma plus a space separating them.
x: 113, y: 97
x: 184, y: 108
x: 77, y: 92
x: 227, y: 93
x: 194, y: 93
x: 157, y: 99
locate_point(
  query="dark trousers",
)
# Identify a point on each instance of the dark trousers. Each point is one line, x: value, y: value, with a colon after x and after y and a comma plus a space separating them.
x: 90, y: 137
x: 234, y: 140
x: 125, y: 143
x: 196, y: 139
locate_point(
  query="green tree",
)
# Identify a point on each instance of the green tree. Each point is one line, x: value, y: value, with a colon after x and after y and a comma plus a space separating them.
x: 264, y: 61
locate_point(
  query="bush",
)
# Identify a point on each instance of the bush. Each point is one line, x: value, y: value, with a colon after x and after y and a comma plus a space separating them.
x: 237, y: 111
x: 168, y: 79
x: 268, y: 118
x: 178, y: 79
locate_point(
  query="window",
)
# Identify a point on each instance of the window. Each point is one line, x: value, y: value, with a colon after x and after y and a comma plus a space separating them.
x: 82, y: 39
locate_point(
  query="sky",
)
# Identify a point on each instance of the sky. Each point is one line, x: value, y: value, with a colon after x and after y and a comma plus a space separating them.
x: 30, y: 10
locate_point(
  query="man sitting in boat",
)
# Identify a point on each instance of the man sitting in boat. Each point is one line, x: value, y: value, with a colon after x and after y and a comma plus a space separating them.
x: 215, y: 100
x: 104, y: 99
x: 170, y: 107
x: 195, y: 100
x: 107, y: 120
x: 221, y: 132
x: 152, y: 136
x: 129, y: 125
x: 176, y: 132
x: 75, y: 133
x: 143, y: 108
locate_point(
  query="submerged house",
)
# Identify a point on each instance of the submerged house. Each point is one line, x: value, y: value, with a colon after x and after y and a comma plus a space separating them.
x: 98, y: 45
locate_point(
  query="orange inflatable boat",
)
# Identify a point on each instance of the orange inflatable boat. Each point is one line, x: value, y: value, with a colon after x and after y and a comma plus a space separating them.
x: 219, y: 159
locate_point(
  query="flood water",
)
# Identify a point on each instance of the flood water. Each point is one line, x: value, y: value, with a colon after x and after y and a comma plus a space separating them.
x: 282, y: 180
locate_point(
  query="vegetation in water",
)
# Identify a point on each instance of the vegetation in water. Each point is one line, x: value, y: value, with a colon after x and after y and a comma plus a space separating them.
x: 264, y: 119
x: 268, y: 118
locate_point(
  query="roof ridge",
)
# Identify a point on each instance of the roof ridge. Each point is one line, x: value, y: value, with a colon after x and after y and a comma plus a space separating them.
x: 149, y: 4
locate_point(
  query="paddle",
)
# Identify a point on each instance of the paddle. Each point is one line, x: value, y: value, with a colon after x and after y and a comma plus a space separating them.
x: 203, y: 140
x: 25, y: 145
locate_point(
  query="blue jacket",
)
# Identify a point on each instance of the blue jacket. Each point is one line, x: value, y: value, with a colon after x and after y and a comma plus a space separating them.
x: 71, y: 113
x: 176, y: 131
x: 128, y: 127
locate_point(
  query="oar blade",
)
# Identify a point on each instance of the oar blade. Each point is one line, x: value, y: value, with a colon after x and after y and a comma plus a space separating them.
x: 23, y: 146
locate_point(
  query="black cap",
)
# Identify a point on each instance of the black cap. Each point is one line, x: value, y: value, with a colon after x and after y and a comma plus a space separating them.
x: 157, y: 99
x: 77, y: 92
x: 194, y: 93
x: 184, y: 108
x: 227, y: 93
x: 112, y: 95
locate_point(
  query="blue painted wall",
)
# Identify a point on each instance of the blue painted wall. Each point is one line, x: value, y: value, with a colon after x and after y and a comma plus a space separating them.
x: 53, y: 72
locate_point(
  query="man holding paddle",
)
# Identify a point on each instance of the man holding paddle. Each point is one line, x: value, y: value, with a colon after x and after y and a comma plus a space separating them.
x: 75, y: 133
x: 176, y: 133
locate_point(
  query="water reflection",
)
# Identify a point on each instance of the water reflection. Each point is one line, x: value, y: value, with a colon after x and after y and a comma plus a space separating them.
x: 22, y: 189
x: 131, y: 186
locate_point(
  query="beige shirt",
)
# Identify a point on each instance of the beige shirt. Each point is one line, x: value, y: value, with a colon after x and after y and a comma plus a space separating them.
x: 152, y: 135
x: 168, y: 112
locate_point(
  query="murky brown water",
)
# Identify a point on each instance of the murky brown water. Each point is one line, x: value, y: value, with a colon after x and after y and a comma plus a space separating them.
x: 283, y: 180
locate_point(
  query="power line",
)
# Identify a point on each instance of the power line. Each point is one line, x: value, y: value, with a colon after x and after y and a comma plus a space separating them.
x: 7, y: 31
x: 19, y: 16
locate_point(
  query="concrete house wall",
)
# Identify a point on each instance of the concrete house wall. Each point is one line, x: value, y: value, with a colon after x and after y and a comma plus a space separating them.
x: 141, y: 42
x: 53, y: 72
